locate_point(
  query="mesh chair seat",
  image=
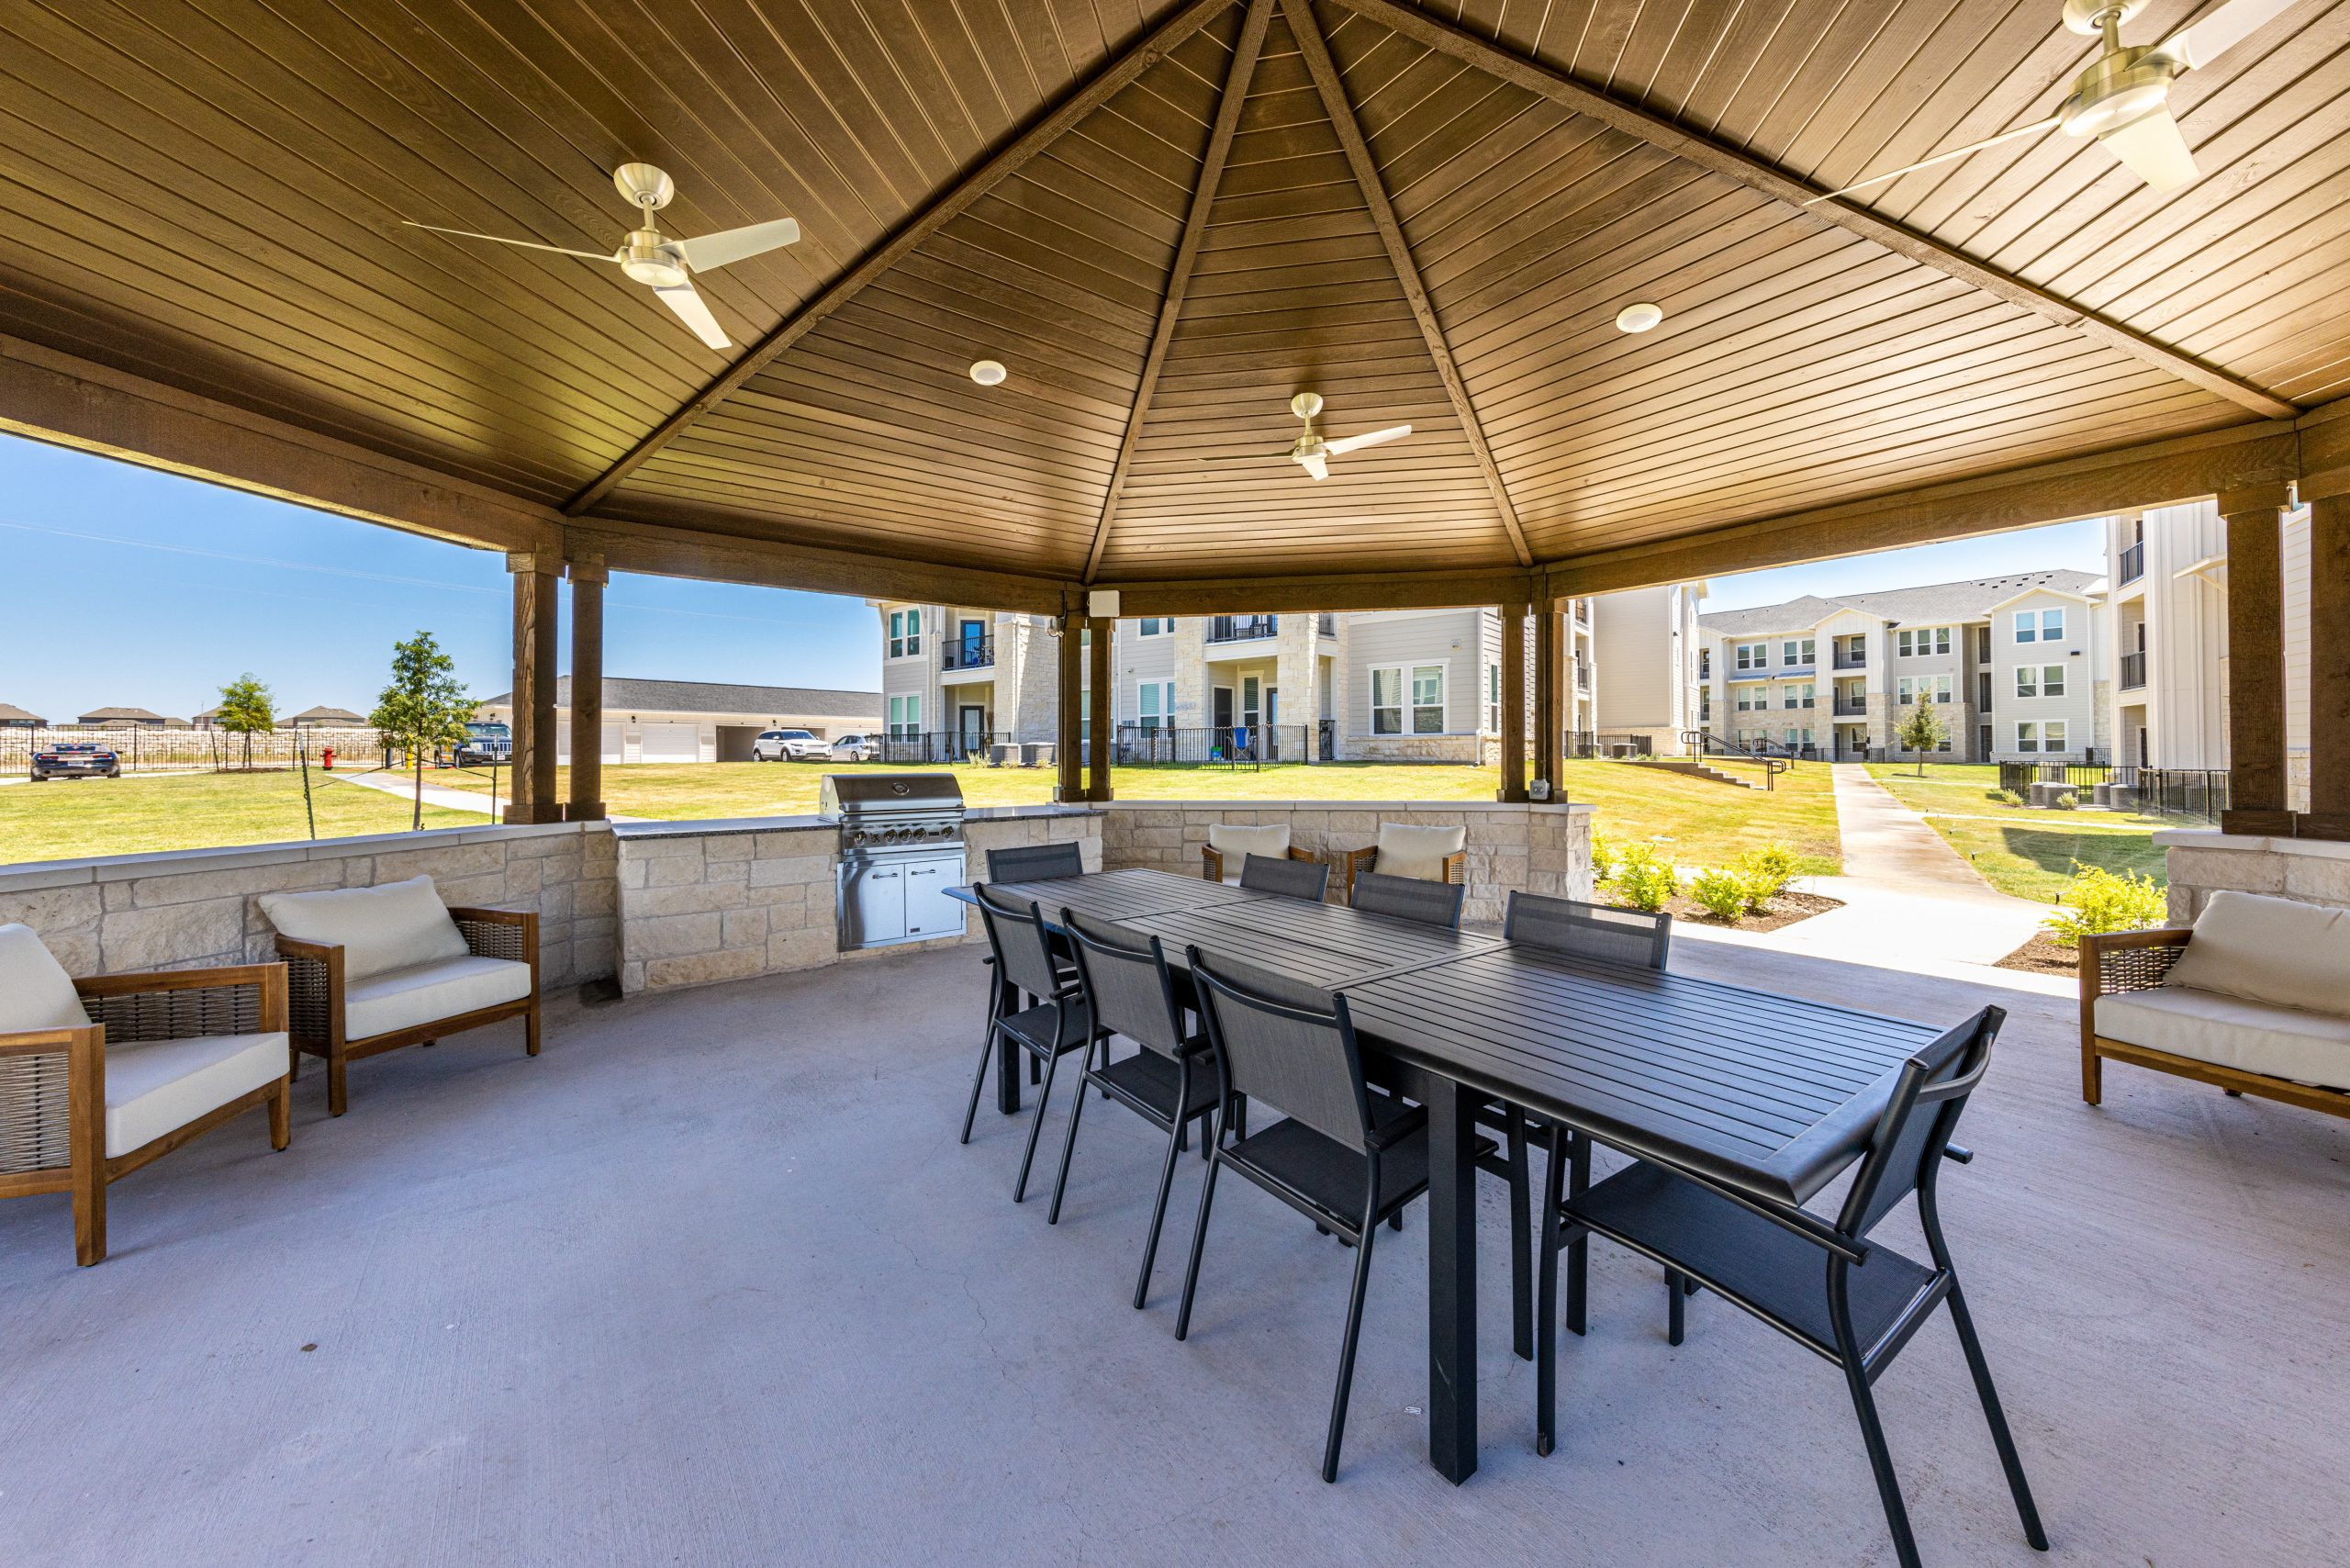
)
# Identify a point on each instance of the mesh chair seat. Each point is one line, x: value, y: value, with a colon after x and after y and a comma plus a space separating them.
x: 1589, y: 930
x: 1036, y: 863
x: 1289, y: 877
x: 1703, y: 1234
x: 1297, y: 1162
x: 1147, y: 1083
x: 1408, y: 898
x: 1033, y: 1027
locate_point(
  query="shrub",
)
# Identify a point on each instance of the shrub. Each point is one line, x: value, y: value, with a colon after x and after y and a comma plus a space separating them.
x: 1645, y: 878
x: 2068, y: 802
x: 1767, y: 872
x: 1603, y: 861
x: 1996, y: 794
x: 1721, y: 893
x: 2009, y: 798
x: 2098, y: 901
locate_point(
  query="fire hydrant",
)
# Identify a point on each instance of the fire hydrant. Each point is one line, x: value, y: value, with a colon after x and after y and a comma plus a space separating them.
x: 328, y: 757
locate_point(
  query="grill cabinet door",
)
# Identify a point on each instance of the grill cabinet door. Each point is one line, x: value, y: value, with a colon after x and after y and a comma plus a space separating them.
x: 929, y: 912
x: 873, y: 903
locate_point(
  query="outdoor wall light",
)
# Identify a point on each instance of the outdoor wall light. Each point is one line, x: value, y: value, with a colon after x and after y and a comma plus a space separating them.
x: 988, y: 372
x: 1638, y: 317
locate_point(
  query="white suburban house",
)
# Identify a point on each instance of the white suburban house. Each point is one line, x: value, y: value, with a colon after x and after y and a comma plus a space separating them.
x: 2015, y: 666
x: 2169, y: 571
x: 702, y: 721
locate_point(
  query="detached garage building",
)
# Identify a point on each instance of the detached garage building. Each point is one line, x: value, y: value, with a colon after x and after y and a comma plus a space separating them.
x: 702, y: 721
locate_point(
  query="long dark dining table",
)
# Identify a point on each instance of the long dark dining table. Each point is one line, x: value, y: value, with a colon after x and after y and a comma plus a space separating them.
x: 1770, y: 1094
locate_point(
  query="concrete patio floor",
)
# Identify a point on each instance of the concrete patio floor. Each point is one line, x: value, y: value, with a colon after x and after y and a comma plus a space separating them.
x: 711, y: 1282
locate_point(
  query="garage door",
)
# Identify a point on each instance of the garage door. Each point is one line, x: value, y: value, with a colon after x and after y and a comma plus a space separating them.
x: 612, y: 752
x: 563, y: 740
x: 672, y: 742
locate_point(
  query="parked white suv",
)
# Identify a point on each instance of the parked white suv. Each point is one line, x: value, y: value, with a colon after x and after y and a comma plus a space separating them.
x: 856, y: 749
x: 786, y: 745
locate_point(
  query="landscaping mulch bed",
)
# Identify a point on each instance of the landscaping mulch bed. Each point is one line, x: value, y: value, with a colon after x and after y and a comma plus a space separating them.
x: 1785, y: 910
x: 2040, y: 956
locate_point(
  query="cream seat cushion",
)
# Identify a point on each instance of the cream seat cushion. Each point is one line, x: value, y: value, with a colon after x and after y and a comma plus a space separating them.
x: 426, y: 993
x: 395, y: 926
x: 2274, y: 950
x: 156, y: 1087
x: 1420, y: 852
x: 2281, y: 1042
x: 1236, y: 844
x: 35, y: 991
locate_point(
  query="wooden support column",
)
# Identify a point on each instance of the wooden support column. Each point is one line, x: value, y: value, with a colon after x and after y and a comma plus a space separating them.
x: 2255, y: 665
x: 1104, y: 704
x: 536, y: 573
x: 1513, y: 696
x: 1066, y: 738
x: 585, y: 803
x: 2329, y: 813
x: 1549, y: 695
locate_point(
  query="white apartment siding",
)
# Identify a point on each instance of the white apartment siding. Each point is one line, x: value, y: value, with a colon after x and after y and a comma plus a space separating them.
x: 1453, y: 639
x: 1644, y: 645
x: 2077, y: 653
x: 1138, y: 659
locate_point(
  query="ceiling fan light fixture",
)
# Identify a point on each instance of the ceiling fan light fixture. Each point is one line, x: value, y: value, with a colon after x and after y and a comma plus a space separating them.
x: 988, y: 372
x: 651, y: 260
x: 1638, y: 317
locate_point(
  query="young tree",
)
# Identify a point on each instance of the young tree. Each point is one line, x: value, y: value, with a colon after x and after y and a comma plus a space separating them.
x: 246, y: 709
x: 1921, y: 731
x: 424, y: 708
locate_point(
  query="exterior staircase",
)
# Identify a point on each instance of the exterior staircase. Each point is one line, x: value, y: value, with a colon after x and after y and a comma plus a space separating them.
x: 1693, y: 768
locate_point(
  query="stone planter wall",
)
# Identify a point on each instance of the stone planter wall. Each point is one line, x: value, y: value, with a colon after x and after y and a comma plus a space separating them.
x: 1463, y: 750
x: 2203, y: 861
x: 189, y: 908
x: 1536, y: 848
x: 705, y: 902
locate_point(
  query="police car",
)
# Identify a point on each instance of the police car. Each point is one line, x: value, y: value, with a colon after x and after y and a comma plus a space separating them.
x: 75, y: 759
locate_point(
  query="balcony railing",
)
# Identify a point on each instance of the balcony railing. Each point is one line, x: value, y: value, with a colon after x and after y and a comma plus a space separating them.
x: 1852, y: 708
x: 2133, y: 670
x: 1583, y: 676
x: 2134, y: 562
x: 1236, y: 745
x: 1242, y: 628
x: 967, y: 652
x: 1325, y: 625
x: 1852, y: 660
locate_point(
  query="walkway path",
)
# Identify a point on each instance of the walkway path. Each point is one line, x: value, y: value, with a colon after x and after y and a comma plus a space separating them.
x: 403, y: 786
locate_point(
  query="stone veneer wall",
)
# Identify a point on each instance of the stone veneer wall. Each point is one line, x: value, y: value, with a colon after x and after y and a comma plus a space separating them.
x: 1465, y: 749
x: 1536, y: 848
x: 188, y: 908
x: 706, y: 901
x: 2203, y: 861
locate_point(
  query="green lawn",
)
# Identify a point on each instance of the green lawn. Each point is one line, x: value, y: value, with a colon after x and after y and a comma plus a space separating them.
x: 2018, y: 850
x: 67, y: 820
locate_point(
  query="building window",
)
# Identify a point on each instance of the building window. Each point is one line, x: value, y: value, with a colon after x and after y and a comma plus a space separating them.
x: 1800, y: 696
x: 905, y: 717
x: 1390, y: 691
x: 1752, y: 696
x: 1906, y: 691
x: 1494, y: 698
x: 2046, y: 736
x: 1156, y: 626
x: 1923, y: 689
x: 2051, y: 625
x: 1155, y: 704
x: 1795, y: 651
x: 905, y: 632
x: 1938, y: 685
x: 1705, y: 664
x: 1754, y: 655
x: 2027, y: 680
x: 1922, y: 641
x: 1387, y: 702
x: 2051, y: 680
x: 2051, y: 735
x: 1428, y: 699
x: 2027, y: 631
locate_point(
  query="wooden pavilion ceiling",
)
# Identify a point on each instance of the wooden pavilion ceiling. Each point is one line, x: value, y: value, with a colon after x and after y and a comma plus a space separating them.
x: 1166, y: 217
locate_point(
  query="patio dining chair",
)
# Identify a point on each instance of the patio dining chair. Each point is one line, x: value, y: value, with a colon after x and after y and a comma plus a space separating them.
x: 1046, y: 1030
x: 1289, y: 877
x: 1169, y: 1083
x: 1853, y: 1302
x: 1035, y: 862
x: 1408, y: 898
x: 1341, y: 1156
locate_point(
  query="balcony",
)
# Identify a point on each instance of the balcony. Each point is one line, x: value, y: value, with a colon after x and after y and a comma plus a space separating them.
x: 1855, y: 658
x: 2134, y: 563
x: 1325, y: 625
x: 1244, y: 628
x: 2133, y: 670
x: 967, y: 652
x: 1852, y: 708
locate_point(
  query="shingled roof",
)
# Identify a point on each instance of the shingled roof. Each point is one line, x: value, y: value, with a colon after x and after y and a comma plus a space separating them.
x: 624, y: 694
x: 1934, y: 604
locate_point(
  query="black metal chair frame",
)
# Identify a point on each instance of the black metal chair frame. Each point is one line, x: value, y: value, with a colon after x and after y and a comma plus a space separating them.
x: 1130, y: 1088
x: 1905, y: 1155
x: 1035, y: 862
x: 1045, y: 1031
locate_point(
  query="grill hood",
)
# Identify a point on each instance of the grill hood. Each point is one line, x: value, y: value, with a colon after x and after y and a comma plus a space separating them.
x: 870, y: 794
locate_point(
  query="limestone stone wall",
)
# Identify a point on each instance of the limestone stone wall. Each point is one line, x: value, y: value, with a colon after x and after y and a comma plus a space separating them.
x: 2202, y: 861
x: 1465, y: 749
x: 189, y: 908
x: 701, y: 902
x: 1536, y: 848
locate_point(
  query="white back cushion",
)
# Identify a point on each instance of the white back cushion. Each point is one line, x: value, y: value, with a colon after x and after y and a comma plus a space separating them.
x: 388, y: 927
x: 1408, y: 851
x: 1234, y: 843
x: 2278, y: 951
x: 35, y: 991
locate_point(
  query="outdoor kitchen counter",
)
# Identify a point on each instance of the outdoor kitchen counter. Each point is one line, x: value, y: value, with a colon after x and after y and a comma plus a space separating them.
x: 731, y: 898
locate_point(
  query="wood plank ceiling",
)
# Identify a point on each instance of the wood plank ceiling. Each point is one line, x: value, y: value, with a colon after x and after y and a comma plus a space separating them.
x: 1275, y: 195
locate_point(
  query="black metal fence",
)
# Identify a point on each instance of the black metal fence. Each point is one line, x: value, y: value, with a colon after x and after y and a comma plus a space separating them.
x: 149, y: 749
x: 2200, y: 793
x: 1236, y: 745
x: 949, y: 745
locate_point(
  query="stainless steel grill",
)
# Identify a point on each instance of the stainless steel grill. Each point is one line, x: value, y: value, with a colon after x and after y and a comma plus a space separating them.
x: 900, y: 849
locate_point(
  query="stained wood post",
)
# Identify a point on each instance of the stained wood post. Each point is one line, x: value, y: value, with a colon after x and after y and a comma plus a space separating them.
x: 2255, y: 665
x: 1513, y: 698
x: 533, y: 790
x: 2329, y: 813
x: 1549, y: 695
x: 587, y: 800
x: 1067, y: 754
x: 1104, y: 705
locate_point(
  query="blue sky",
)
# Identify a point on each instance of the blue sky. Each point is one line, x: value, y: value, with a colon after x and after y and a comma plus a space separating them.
x: 139, y: 588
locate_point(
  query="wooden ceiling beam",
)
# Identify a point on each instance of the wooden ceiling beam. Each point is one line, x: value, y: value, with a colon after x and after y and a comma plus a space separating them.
x: 1187, y: 253
x: 1734, y: 164
x: 1100, y: 88
x: 1324, y: 71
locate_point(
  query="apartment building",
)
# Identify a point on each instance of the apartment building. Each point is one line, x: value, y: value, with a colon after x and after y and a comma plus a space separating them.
x: 2169, y: 571
x: 1647, y: 687
x: 2016, y: 666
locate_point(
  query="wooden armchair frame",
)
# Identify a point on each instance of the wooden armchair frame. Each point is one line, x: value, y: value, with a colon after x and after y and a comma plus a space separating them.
x: 1212, y: 861
x: 1352, y: 863
x: 2137, y: 960
x: 156, y: 1005
x: 316, y: 982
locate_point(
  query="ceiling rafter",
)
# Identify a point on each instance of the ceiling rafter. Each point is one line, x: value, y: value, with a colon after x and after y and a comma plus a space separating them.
x: 1187, y: 253
x: 1105, y: 83
x: 1524, y: 72
x: 1324, y: 71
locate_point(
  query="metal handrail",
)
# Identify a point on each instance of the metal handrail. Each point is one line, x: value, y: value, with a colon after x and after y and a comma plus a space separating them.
x: 1242, y: 628
x: 1706, y: 743
x: 2133, y: 670
x: 2134, y: 563
x: 967, y: 652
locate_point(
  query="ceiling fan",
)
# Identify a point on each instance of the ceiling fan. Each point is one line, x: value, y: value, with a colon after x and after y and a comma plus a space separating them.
x: 664, y: 265
x: 1310, y: 452
x: 2124, y: 99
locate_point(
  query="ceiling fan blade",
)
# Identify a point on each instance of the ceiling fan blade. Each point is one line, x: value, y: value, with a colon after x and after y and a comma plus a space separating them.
x: 1372, y: 438
x: 1316, y: 464
x: 501, y: 239
x: 728, y: 245
x: 2220, y: 31
x: 694, y: 312
x: 2151, y: 149
x: 2046, y: 125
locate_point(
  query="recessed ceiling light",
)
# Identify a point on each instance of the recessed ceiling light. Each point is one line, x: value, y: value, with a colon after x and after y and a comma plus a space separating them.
x: 987, y: 372
x: 1638, y: 317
